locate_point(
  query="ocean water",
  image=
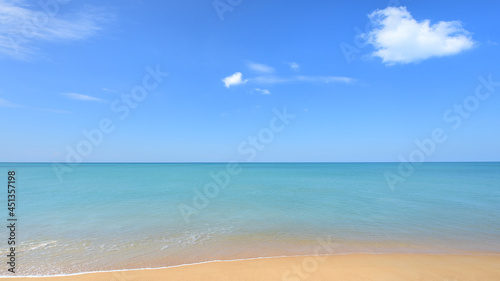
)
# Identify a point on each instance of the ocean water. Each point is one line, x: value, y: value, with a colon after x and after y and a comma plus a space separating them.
x: 124, y: 216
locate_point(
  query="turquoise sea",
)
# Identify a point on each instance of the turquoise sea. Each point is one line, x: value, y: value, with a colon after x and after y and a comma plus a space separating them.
x: 100, y: 217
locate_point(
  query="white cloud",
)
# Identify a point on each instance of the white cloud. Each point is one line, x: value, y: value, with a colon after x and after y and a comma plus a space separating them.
x: 108, y: 90
x: 325, y: 79
x: 80, y: 97
x: 23, y: 26
x: 233, y: 80
x: 267, y: 78
x: 309, y: 79
x: 262, y: 91
x: 270, y: 80
x: 398, y: 38
x: 293, y: 66
x: 6, y: 103
x: 260, y: 67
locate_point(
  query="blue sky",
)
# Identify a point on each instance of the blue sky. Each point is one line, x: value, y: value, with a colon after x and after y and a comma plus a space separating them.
x: 365, y: 80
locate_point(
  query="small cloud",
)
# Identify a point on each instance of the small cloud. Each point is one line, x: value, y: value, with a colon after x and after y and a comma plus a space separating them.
x: 310, y: 79
x: 325, y: 79
x: 108, y: 90
x: 233, y: 80
x: 6, y: 103
x: 270, y: 80
x: 260, y: 67
x: 293, y: 66
x: 80, y: 97
x: 399, y: 38
x: 262, y: 91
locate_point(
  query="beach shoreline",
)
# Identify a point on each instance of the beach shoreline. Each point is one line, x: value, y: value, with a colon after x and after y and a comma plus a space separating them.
x: 324, y: 267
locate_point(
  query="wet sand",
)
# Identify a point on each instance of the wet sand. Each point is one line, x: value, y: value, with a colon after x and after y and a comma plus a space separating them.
x: 397, y: 267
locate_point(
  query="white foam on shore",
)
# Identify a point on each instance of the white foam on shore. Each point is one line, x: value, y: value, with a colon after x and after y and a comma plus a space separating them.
x: 245, y: 259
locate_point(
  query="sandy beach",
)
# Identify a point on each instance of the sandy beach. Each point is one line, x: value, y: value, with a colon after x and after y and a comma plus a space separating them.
x: 385, y: 267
